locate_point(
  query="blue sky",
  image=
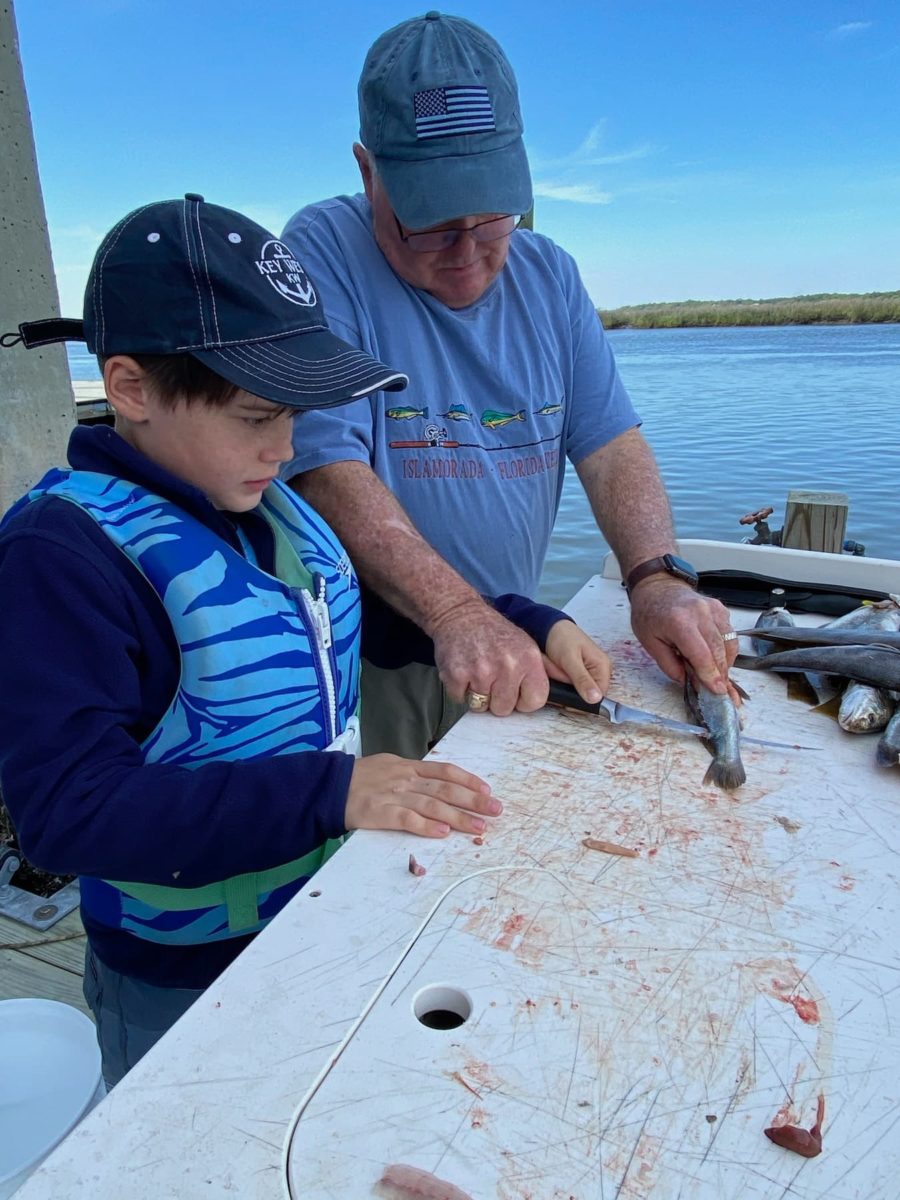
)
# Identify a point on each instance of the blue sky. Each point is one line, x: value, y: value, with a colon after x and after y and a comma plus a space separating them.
x: 703, y: 149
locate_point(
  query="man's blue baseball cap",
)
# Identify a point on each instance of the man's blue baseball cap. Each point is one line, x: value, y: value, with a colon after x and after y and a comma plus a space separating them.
x: 439, y: 110
x: 187, y: 277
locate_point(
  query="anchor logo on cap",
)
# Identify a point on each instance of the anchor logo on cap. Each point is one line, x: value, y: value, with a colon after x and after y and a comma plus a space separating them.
x: 286, y: 275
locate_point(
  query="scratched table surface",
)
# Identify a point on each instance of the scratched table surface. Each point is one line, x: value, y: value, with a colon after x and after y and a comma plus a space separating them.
x: 627, y: 1027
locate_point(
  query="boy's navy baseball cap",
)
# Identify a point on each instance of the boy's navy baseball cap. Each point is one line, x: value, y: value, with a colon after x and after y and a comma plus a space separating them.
x: 187, y: 277
x: 439, y: 110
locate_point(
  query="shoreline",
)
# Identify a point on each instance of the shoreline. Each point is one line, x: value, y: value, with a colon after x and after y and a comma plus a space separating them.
x: 871, y: 308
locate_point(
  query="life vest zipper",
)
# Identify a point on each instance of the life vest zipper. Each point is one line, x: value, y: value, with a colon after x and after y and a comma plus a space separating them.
x: 320, y: 620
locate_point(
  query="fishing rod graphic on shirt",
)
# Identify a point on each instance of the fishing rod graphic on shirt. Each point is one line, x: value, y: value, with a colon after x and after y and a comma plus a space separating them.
x: 435, y: 438
x: 440, y: 444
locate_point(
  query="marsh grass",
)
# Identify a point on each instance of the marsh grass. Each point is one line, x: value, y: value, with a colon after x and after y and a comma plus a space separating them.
x: 871, y: 308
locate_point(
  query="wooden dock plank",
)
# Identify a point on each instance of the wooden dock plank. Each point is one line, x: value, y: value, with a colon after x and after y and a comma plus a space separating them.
x: 46, y: 964
x: 25, y: 977
x: 62, y: 945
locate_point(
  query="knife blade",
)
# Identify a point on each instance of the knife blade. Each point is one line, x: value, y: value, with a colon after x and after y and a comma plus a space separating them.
x: 563, y: 695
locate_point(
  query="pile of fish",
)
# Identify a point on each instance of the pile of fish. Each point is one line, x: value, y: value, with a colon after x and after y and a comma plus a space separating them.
x: 857, y: 654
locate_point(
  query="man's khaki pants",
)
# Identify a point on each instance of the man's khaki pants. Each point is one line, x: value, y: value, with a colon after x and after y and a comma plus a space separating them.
x: 405, y: 711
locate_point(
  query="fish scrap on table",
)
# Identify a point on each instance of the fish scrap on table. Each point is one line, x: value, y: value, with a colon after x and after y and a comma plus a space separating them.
x: 805, y: 1142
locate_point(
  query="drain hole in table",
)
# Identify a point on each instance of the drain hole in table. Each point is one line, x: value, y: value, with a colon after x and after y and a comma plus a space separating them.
x: 442, y: 1007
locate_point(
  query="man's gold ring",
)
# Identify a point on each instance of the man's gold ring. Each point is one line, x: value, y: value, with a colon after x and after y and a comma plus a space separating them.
x: 477, y: 701
x: 730, y: 636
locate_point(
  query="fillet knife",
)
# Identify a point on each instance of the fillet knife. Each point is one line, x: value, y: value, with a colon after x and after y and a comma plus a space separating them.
x: 563, y: 695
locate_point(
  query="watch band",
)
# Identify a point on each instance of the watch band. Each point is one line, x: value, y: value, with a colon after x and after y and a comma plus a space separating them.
x: 663, y: 565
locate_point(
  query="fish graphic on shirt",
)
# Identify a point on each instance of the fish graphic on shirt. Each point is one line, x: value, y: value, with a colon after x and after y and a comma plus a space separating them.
x: 491, y: 419
x: 404, y: 413
x: 548, y: 409
x: 457, y: 412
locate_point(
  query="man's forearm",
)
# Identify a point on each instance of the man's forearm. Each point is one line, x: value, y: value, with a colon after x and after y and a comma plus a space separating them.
x: 629, y: 500
x: 387, y: 550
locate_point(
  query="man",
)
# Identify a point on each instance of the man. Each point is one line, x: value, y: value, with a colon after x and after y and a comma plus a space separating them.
x: 510, y: 374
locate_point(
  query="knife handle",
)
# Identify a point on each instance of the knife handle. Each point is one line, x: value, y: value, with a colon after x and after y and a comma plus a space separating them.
x: 563, y: 695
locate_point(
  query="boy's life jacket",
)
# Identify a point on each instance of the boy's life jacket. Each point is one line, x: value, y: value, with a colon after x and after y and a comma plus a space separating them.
x: 269, y: 665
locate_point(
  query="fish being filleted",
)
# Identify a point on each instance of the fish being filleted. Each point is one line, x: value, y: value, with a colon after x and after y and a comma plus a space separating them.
x: 720, y: 716
x: 877, y: 665
x: 887, y: 753
x: 772, y: 618
x: 865, y: 709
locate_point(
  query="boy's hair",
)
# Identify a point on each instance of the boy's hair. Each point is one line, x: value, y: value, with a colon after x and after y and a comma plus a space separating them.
x: 181, y: 377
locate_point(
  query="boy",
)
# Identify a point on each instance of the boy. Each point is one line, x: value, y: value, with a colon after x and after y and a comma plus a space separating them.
x: 179, y: 654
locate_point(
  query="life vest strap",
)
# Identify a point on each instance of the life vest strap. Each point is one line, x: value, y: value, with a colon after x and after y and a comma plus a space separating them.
x: 240, y: 895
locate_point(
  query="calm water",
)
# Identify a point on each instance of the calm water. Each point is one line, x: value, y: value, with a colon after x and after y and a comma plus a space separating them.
x: 738, y: 417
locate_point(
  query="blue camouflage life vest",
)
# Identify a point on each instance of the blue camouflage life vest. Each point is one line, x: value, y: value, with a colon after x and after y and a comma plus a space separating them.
x: 267, y: 667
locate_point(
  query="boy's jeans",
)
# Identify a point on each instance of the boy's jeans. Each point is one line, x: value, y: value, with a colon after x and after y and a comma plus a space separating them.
x: 130, y: 1015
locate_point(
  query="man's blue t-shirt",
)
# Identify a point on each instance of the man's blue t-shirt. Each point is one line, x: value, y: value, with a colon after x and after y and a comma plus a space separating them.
x: 500, y: 393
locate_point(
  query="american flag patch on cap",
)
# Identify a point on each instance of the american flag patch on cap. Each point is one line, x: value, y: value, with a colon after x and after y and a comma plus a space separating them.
x: 448, y: 110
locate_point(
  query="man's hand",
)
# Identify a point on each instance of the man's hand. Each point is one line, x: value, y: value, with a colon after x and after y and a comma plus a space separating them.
x: 573, y: 657
x: 428, y: 798
x: 478, y: 650
x: 676, y: 625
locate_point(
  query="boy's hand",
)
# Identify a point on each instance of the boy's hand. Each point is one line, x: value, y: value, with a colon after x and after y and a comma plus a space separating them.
x: 428, y: 798
x: 573, y: 657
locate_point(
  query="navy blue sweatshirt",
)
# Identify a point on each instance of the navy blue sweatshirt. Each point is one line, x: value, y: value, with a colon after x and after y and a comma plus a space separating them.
x: 88, y: 666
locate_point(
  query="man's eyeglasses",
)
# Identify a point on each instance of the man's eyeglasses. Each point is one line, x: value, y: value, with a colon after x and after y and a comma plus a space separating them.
x: 443, y: 239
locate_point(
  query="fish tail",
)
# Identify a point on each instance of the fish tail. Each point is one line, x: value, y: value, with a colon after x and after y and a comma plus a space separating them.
x: 726, y: 774
x: 424, y: 412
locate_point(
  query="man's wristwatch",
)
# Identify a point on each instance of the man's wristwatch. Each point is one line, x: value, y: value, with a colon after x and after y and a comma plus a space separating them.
x: 666, y: 564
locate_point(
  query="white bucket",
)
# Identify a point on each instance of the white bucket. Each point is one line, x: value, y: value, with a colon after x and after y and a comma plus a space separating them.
x: 49, y: 1078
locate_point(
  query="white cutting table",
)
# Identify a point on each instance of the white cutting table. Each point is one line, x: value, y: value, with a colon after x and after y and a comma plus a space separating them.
x: 631, y: 1024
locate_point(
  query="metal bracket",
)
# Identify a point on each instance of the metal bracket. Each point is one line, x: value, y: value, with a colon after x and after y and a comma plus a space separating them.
x: 37, y: 912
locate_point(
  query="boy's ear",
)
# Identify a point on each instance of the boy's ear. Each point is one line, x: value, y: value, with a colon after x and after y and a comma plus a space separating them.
x: 124, y: 381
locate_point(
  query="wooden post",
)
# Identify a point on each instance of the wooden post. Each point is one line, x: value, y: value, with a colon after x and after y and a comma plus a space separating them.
x: 815, y: 521
x: 37, y: 411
